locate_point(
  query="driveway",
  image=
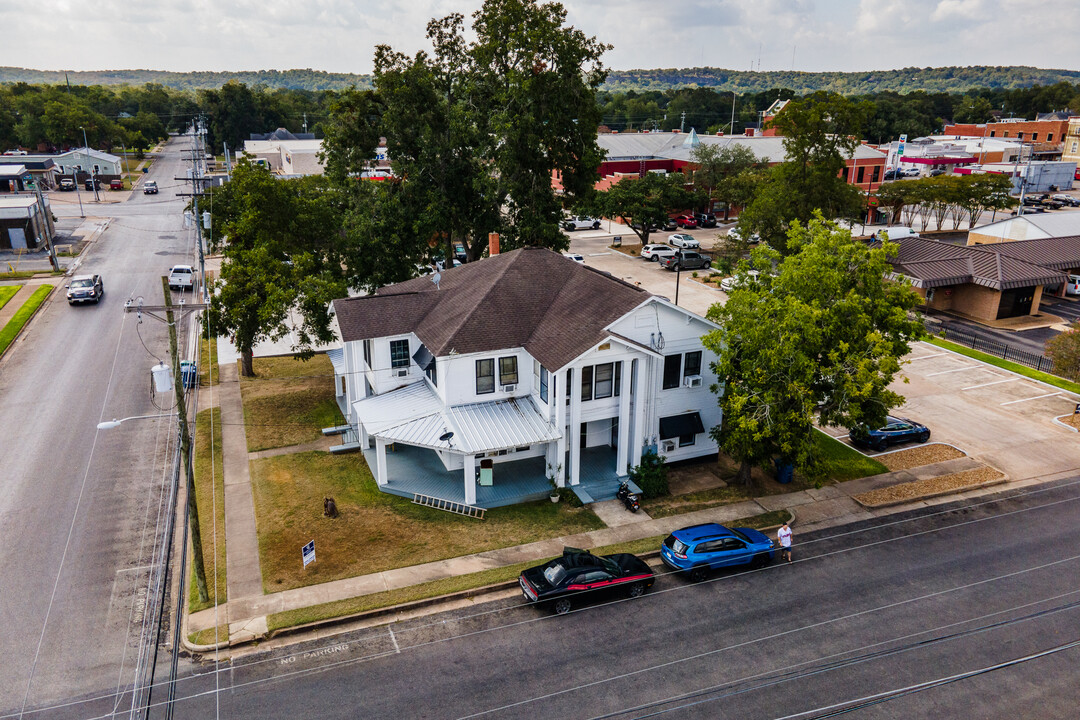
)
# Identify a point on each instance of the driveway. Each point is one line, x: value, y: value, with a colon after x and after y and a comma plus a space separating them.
x: 997, y: 417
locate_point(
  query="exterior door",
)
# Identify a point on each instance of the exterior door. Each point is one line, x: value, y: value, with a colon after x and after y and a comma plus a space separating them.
x: 18, y: 238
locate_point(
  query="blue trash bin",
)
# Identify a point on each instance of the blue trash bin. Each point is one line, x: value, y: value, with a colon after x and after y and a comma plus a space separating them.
x: 146, y: 169
x: 785, y: 472
x: 188, y: 373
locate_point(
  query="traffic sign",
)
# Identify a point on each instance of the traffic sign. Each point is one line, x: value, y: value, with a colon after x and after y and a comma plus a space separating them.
x: 309, y: 553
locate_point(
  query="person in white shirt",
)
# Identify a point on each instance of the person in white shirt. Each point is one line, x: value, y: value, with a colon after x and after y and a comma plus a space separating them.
x: 784, y: 536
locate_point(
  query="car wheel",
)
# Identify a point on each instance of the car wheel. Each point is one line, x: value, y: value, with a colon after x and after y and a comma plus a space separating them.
x: 596, y: 226
x: 697, y: 574
x: 562, y: 606
x: 706, y: 265
x: 761, y: 560
x: 637, y: 590
x: 880, y: 445
x: 924, y: 436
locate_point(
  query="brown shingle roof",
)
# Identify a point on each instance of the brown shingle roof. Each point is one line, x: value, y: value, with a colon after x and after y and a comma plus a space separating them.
x: 533, y: 298
x: 935, y: 264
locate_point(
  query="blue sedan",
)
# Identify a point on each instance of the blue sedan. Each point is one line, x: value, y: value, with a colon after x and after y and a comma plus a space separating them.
x: 896, y: 430
x: 700, y: 548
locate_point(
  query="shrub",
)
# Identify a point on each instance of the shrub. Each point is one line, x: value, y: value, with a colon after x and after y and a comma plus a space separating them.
x: 651, y: 475
x: 570, y: 497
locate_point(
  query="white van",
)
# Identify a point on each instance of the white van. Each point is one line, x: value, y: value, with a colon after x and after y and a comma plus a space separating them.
x: 1072, y: 285
x: 896, y: 232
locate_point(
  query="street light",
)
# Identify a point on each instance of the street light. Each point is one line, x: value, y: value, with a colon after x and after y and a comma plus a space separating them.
x: 110, y: 424
x: 93, y: 175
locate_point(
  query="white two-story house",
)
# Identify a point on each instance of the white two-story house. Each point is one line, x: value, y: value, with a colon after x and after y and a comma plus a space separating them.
x: 521, y: 367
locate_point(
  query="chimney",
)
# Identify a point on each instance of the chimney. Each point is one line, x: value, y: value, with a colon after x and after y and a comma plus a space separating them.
x: 493, y: 244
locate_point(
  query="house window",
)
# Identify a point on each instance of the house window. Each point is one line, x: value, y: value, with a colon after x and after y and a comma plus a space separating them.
x: 367, y: 353
x: 1004, y: 134
x: 1049, y: 137
x: 1019, y: 136
x: 672, y: 366
x: 508, y: 374
x: 687, y: 440
x: 860, y: 177
x: 993, y: 132
x: 433, y: 374
x: 604, y: 376
x: 692, y: 366
x: 586, y: 383
x: 543, y: 383
x: 618, y: 378
x: 1075, y: 145
x: 399, y: 353
x: 485, y: 376
x: 1034, y: 137
x: 877, y: 174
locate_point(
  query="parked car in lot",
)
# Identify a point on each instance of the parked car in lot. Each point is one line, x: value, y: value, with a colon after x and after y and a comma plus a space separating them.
x: 910, y: 172
x: 116, y: 184
x: 576, y: 257
x: 92, y: 183
x: 734, y: 235
x: 579, y: 576
x: 682, y: 240
x: 936, y: 172
x: 67, y: 184
x: 656, y: 252
x: 1067, y: 199
x: 181, y: 277
x: 1072, y: 285
x: 580, y: 223
x: 84, y: 289
x: 686, y: 260
x: 730, y: 283
x: 896, y: 430
x: 705, y: 220
x: 150, y: 187
x: 686, y: 221
x: 700, y: 549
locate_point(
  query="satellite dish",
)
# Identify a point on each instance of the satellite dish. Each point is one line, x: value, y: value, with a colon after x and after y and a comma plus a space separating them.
x: 446, y: 436
x: 436, y: 278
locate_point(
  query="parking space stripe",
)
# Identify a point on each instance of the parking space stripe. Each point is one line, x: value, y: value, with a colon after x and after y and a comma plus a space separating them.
x: 924, y: 357
x: 945, y: 372
x: 1037, y: 397
x: 995, y: 382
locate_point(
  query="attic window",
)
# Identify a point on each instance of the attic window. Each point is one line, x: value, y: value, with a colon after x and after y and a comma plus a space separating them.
x: 604, y: 346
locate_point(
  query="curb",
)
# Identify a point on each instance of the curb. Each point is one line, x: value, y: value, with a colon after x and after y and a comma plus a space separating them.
x: 472, y: 593
x: 1067, y: 426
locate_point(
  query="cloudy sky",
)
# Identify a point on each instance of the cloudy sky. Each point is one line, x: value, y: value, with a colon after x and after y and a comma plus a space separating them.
x: 339, y: 35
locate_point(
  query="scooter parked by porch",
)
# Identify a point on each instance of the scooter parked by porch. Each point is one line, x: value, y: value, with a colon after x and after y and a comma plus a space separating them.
x: 630, y: 500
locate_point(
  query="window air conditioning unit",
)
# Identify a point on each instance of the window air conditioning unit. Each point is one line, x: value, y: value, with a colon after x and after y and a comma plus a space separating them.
x: 509, y: 388
x: 403, y: 372
x: 669, y: 446
x: 692, y: 381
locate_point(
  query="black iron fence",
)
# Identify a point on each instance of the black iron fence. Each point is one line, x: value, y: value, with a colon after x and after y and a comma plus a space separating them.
x: 998, y: 349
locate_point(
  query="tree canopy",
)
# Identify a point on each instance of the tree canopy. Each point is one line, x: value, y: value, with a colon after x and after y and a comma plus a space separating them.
x: 644, y: 203
x: 792, y: 351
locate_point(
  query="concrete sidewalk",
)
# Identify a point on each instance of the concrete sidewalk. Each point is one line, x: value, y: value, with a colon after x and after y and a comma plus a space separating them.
x: 247, y: 608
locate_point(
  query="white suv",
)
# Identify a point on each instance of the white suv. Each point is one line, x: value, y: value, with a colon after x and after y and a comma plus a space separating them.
x: 181, y: 277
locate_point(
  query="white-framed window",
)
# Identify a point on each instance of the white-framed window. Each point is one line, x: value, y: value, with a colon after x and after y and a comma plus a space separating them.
x: 485, y: 376
x: 399, y: 353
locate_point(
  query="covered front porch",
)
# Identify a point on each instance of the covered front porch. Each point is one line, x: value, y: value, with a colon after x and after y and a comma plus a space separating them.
x: 411, y: 470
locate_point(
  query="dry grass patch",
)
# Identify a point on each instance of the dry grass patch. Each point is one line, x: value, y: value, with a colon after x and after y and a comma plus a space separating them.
x: 288, y: 402
x: 375, y: 531
x: 210, y: 493
x: 919, y: 456
x: 210, y: 636
x: 928, y: 488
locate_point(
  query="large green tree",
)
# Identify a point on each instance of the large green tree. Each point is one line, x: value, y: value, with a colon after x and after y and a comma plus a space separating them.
x: 645, y: 202
x: 791, y: 351
x: 280, y: 241
x: 820, y: 132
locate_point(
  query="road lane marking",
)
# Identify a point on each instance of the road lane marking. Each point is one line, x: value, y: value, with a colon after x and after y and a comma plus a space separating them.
x: 995, y: 382
x: 944, y: 372
x: 1037, y: 397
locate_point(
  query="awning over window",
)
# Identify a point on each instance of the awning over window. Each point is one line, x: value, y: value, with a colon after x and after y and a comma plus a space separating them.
x: 680, y: 425
x: 423, y: 358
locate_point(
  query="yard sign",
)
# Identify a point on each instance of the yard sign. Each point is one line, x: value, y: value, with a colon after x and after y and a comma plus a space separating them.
x: 308, y: 552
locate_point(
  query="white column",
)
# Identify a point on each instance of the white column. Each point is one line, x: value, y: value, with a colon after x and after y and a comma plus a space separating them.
x: 574, y: 433
x: 470, y: 479
x: 622, y: 454
x: 559, y: 401
x: 380, y: 461
x: 364, y: 439
x: 640, y: 395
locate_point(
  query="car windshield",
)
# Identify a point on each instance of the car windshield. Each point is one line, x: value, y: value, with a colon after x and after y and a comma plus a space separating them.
x: 554, y: 573
x: 82, y: 283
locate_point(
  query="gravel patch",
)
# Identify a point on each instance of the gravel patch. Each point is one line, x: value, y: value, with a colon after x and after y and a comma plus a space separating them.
x: 919, y: 456
x: 1073, y: 420
x: 931, y: 487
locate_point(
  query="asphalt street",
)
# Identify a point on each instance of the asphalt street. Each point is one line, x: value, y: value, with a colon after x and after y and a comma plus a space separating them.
x: 80, y: 509
x: 965, y: 610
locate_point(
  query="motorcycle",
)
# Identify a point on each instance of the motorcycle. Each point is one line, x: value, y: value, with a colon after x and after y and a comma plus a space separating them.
x: 630, y: 500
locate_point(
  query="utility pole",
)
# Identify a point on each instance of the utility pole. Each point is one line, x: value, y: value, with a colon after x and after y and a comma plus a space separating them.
x: 93, y: 175
x: 734, y: 95
x: 78, y: 193
x: 682, y: 121
x: 46, y: 227
x: 305, y: 122
x: 185, y: 447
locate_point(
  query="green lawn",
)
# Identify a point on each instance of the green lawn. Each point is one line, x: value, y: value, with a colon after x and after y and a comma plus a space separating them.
x: 208, y: 362
x: 210, y: 493
x: 288, y: 402
x: 1006, y: 365
x: 844, y: 463
x: 22, y: 316
x: 375, y: 531
x: 7, y: 292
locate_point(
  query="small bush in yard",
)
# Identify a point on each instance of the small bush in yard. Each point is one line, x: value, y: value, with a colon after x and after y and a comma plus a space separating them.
x: 651, y: 475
